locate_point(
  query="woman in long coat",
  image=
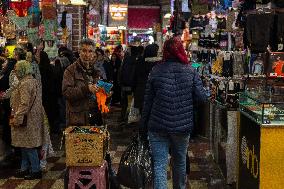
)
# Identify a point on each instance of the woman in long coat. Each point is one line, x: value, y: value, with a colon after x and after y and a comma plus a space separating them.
x: 26, y: 101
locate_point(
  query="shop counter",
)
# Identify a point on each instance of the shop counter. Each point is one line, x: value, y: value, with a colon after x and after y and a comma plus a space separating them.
x: 223, y: 139
x: 260, y: 142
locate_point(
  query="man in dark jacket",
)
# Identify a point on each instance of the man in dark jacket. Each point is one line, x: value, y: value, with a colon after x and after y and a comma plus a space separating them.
x: 167, y: 114
x: 143, y: 69
x: 60, y: 64
x: 127, y: 77
x: 79, y: 84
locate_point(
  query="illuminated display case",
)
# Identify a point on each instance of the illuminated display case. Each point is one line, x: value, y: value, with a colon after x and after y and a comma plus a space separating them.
x: 262, y: 107
x: 260, y: 140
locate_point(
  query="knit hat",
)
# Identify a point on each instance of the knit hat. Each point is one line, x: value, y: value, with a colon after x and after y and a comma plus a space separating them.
x: 173, y: 49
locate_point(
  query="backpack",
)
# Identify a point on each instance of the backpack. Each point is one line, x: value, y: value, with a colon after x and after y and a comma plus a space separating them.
x: 128, y: 71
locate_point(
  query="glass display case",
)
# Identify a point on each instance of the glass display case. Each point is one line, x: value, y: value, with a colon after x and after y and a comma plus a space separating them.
x: 263, y: 107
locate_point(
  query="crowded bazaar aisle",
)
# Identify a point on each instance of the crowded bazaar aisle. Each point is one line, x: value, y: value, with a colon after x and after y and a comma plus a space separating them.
x: 204, y: 172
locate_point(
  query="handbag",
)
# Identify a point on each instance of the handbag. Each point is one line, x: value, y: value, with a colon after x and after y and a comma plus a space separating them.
x: 134, y: 114
x: 135, y: 167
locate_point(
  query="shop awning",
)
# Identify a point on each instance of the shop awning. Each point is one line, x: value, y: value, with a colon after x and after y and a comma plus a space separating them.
x: 143, y: 17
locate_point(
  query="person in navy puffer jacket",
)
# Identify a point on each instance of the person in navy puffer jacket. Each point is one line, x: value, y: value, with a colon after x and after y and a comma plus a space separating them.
x: 167, y: 115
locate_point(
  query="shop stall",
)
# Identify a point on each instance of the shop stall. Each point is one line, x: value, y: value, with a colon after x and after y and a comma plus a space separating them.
x: 260, y: 140
x: 232, y: 53
x: 143, y: 24
x: 141, y: 36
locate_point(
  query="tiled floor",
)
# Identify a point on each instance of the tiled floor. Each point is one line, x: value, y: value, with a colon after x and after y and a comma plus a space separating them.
x: 204, y: 173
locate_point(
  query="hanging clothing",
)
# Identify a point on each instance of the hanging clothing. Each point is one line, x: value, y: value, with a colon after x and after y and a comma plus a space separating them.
x: 221, y: 23
x: 21, y: 8
x: 278, y: 67
x: 227, y: 65
x: 231, y: 19
x: 259, y: 26
x: 52, y: 51
x: 238, y: 64
x: 257, y: 67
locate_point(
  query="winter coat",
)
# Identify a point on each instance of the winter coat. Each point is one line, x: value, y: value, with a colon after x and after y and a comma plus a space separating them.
x: 47, y: 78
x: 13, y: 83
x: 28, y: 102
x: 127, y: 71
x: 170, y: 92
x: 61, y: 63
x: 112, y: 70
x: 77, y: 94
x: 141, y: 76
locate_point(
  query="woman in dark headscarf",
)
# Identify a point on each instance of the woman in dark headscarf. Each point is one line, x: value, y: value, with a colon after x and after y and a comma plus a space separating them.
x: 48, y: 88
x: 143, y: 69
x: 112, y: 67
x: 167, y: 114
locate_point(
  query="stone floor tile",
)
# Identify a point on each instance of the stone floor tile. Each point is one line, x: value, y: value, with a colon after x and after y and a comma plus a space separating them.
x: 59, y: 184
x: 53, y: 175
x: 198, y: 184
x: 27, y: 184
x: 44, y: 184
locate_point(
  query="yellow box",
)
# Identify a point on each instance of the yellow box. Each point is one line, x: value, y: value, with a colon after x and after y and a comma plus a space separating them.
x: 85, y: 149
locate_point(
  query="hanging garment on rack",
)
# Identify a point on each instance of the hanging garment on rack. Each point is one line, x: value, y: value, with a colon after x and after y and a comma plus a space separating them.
x: 52, y: 51
x: 217, y: 66
x: 20, y: 22
x: 278, y: 67
x: 227, y: 65
x: 199, y: 7
x: 239, y: 40
x: 280, y: 31
x: 196, y: 23
x: 221, y: 23
x: 33, y: 36
x: 238, y: 63
x: 259, y: 33
x: 231, y: 19
x: 252, y: 58
x: 214, y: 24
x: 21, y: 7
x: 223, y: 40
x: 258, y: 67
x: 50, y: 29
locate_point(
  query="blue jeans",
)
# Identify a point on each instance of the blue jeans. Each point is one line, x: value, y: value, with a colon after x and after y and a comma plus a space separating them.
x: 30, y: 159
x: 160, y: 144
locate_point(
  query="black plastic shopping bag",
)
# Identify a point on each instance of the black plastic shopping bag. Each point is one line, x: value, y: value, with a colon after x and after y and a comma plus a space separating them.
x: 135, y: 168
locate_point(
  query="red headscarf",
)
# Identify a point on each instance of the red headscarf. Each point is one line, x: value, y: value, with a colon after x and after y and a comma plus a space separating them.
x: 173, y: 49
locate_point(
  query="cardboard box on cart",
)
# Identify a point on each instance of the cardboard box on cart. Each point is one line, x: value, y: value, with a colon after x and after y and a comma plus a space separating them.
x: 85, y: 149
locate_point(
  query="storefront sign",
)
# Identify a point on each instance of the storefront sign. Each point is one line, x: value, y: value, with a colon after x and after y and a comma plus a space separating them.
x: 118, y: 11
x: 249, y: 153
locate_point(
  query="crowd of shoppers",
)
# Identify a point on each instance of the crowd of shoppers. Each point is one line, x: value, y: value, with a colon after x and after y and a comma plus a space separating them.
x: 63, y: 89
